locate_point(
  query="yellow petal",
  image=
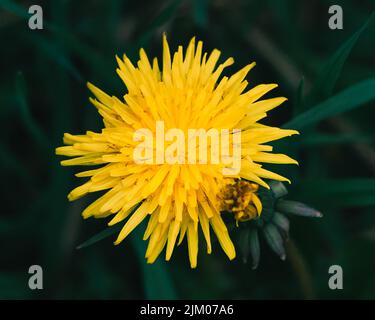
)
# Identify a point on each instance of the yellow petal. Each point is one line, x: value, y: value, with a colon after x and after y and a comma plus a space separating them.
x: 136, y: 218
x: 223, y: 236
x: 206, y: 230
x: 192, y: 244
x: 174, y: 228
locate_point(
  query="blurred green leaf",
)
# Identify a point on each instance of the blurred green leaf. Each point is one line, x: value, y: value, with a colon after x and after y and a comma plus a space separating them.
x: 157, y: 281
x: 331, y: 71
x: 25, y: 114
x: 165, y: 15
x: 200, y: 8
x: 348, y: 99
x: 15, y: 8
x: 315, y: 139
x: 101, y: 236
x: 340, y: 186
x: 15, y: 166
x: 88, y: 53
x: 13, y: 285
x: 105, y: 233
x: 54, y: 53
x: 299, y: 102
x: 341, y: 192
x: 361, y: 200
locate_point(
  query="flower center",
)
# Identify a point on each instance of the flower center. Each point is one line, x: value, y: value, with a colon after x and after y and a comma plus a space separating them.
x: 238, y: 197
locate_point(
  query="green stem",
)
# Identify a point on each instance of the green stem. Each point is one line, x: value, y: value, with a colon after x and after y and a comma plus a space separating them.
x: 301, y: 270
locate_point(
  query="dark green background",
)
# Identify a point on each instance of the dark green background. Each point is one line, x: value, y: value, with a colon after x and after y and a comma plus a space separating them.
x: 43, y: 94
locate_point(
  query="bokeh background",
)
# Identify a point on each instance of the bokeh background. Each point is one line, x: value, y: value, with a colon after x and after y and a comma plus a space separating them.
x: 43, y: 94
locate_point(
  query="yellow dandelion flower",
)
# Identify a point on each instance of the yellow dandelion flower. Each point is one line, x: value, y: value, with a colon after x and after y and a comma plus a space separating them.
x: 186, y: 93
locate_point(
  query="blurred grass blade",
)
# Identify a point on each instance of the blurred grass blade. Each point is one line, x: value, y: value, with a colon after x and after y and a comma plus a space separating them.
x: 31, y: 125
x: 100, y: 236
x: 254, y: 248
x: 165, y: 15
x: 88, y: 53
x: 361, y: 200
x: 15, y: 166
x: 340, y: 186
x: 274, y: 239
x: 54, y: 53
x: 15, y: 8
x: 351, y: 98
x: 200, y: 8
x: 105, y: 233
x: 157, y: 280
x: 299, y: 102
x: 331, y: 71
x: 341, y: 192
x: 315, y: 139
x: 244, y: 244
